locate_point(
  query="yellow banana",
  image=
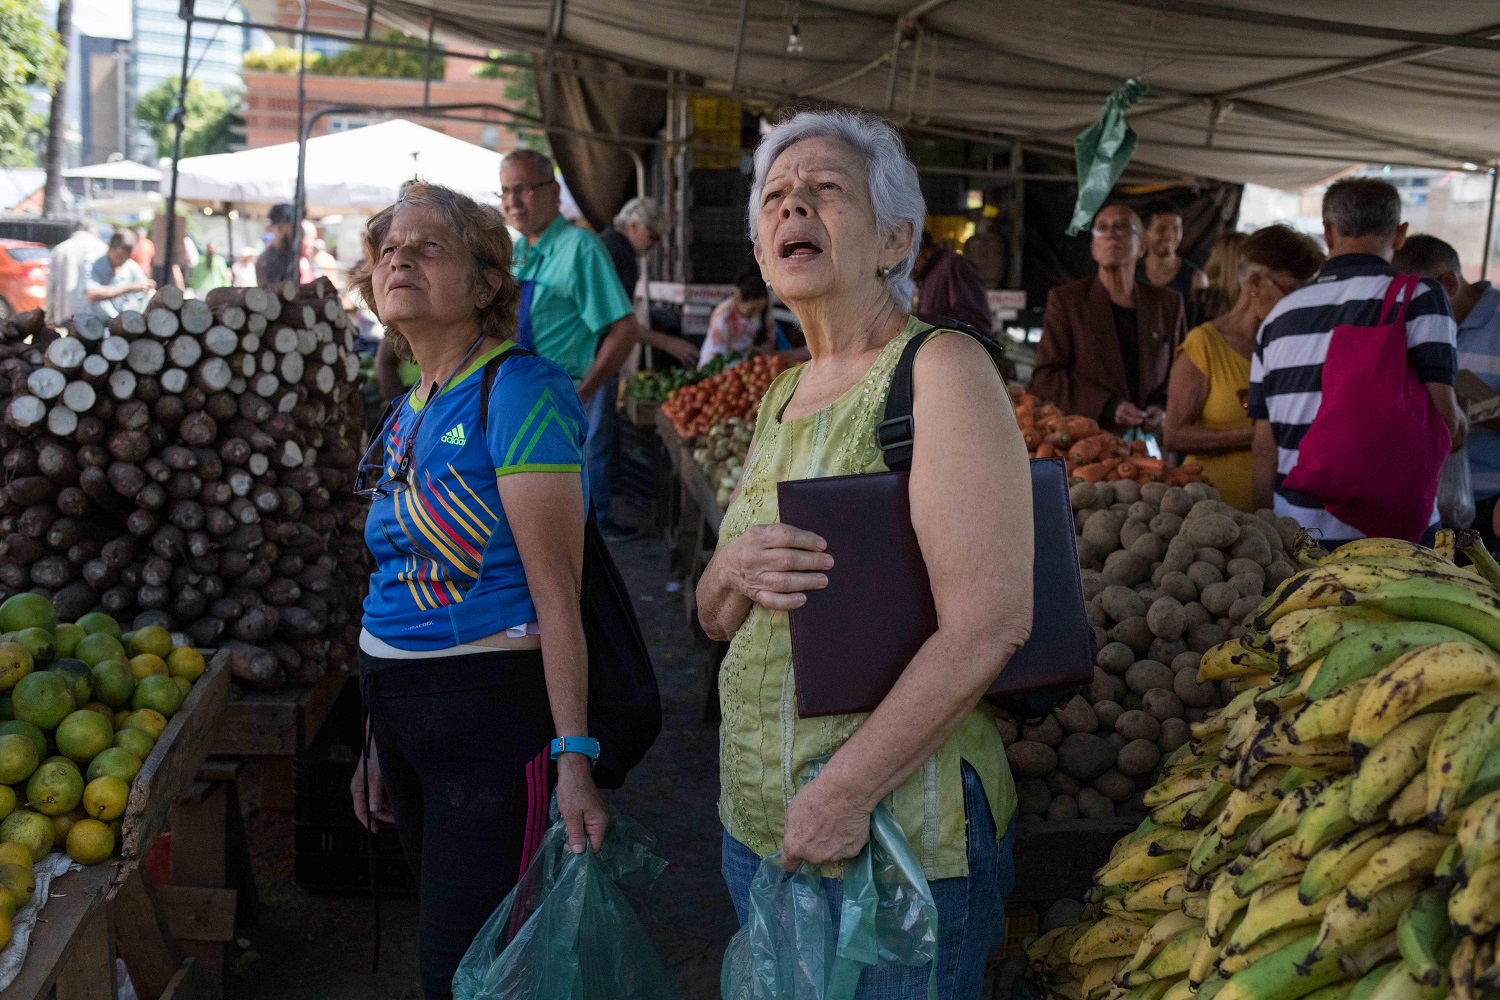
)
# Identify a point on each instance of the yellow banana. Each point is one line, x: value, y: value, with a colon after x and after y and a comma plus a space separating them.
x: 1196, y: 905
x: 1343, y: 584
x: 1233, y: 962
x: 1283, y: 697
x: 1474, y: 907
x: 1211, y: 852
x: 1100, y: 973
x: 1180, y: 990
x: 1461, y: 605
x: 1479, y: 831
x: 1331, y: 868
x: 1170, y: 963
x: 1409, y: 807
x: 1400, y: 984
x: 1327, y: 717
x: 1300, y: 638
x: 1111, y: 937
x: 1204, y: 958
x: 1389, y: 548
x: 1417, y: 680
x: 1136, y: 865
x: 1445, y: 544
x: 1224, y: 907
x: 1171, y: 840
x: 1155, y: 939
x: 1164, y: 892
x: 1326, y: 817
x: 1246, y: 728
x: 1347, y: 921
x: 1275, y: 864
x: 1206, y: 807
x: 1272, y: 910
x: 1362, y: 958
x: 1229, y: 659
x: 1261, y: 798
x: 1410, y: 854
x: 1460, y: 748
x: 1461, y: 969
x: 1399, y: 756
x: 1186, y: 783
x: 1368, y: 653
x: 1284, y: 818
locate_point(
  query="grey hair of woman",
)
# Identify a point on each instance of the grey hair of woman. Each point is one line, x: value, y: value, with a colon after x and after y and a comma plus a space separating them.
x: 895, y: 192
x: 642, y: 210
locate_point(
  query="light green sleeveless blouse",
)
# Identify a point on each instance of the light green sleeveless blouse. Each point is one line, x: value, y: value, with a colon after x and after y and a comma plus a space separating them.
x: 764, y: 746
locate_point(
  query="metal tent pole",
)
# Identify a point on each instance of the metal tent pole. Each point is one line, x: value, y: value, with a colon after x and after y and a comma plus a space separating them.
x: 1489, y: 223
x: 179, y: 119
x: 299, y: 196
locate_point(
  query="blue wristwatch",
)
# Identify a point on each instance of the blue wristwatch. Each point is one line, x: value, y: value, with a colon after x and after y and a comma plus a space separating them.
x: 586, y: 745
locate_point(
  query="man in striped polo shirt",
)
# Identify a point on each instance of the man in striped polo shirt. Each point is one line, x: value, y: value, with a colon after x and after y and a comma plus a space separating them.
x: 1363, y: 229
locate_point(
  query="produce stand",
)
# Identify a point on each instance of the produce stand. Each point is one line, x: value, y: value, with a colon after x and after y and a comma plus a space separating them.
x: 274, y: 727
x: 107, y: 909
x: 696, y: 489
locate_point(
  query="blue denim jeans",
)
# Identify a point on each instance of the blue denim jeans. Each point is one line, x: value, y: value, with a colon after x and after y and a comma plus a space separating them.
x: 971, y: 910
x: 601, y: 445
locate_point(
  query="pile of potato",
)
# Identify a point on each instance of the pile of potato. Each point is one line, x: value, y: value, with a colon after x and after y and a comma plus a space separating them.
x: 1168, y: 572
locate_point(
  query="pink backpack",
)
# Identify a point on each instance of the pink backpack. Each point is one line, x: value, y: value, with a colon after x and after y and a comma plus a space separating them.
x: 1374, y: 450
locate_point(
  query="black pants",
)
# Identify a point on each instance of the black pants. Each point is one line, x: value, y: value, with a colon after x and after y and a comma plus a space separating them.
x: 462, y: 744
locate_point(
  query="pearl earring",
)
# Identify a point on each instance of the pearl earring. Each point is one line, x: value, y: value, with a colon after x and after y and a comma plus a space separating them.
x: 882, y: 271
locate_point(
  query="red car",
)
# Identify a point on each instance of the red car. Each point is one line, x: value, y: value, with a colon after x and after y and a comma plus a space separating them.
x: 23, y: 276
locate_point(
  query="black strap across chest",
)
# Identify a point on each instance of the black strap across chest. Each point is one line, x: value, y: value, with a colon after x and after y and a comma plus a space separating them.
x: 897, y: 431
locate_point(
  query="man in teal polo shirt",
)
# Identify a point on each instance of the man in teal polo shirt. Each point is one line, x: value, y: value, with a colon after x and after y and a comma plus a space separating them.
x: 573, y: 307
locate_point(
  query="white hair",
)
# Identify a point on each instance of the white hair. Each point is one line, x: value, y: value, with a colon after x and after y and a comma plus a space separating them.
x: 895, y: 192
x: 642, y: 210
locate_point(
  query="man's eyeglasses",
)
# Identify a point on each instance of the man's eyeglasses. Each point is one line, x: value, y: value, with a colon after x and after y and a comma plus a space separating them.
x: 1118, y: 229
x: 523, y: 190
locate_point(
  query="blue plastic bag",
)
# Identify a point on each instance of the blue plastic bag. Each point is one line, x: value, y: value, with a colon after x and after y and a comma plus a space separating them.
x: 788, y: 949
x: 567, y: 931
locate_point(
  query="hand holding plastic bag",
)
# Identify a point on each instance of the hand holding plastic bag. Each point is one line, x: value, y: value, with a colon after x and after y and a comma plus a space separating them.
x: 788, y: 950
x: 567, y: 930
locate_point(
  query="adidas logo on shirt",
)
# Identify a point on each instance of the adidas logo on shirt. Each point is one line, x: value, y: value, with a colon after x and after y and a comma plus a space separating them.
x: 455, y: 436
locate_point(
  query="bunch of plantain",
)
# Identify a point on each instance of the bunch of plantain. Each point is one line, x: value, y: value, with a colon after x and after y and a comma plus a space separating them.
x: 1333, y: 832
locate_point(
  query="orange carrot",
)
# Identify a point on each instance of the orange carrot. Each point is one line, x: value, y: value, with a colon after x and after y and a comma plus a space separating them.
x: 1080, y: 427
x: 1126, y: 470
x: 1147, y: 464
x: 1095, y: 472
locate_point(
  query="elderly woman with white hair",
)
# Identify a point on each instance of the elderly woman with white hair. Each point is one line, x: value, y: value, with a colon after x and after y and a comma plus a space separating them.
x: 835, y: 215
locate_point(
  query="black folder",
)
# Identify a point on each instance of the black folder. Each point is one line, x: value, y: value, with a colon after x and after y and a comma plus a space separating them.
x: 852, y: 640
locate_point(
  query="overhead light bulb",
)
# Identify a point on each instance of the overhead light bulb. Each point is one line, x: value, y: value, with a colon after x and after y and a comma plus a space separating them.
x: 793, y: 41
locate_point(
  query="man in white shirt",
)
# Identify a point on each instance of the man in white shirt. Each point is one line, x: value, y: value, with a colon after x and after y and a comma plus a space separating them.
x: 68, y: 272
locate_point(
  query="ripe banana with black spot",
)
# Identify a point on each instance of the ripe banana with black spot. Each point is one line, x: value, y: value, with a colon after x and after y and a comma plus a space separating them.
x: 1409, y: 807
x: 1111, y: 937
x: 1326, y: 718
x: 1347, y: 921
x: 1460, y: 748
x: 1233, y: 962
x: 1170, y: 963
x: 1163, y: 892
x: 1275, y: 976
x: 1165, y: 928
x: 1474, y: 906
x: 1399, y: 757
x: 1206, y: 807
x: 1260, y: 799
x: 1229, y: 660
x: 1325, y: 818
x: 1368, y: 653
x: 1458, y: 604
x: 1418, y: 680
x: 1332, y: 867
x: 1283, y: 820
x: 1270, y: 910
x: 1276, y: 863
x: 1410, y: 854
x: 1362, y: 958
x: 1300, y: 638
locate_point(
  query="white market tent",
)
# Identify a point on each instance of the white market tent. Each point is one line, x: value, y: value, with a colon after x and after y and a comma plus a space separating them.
x: 1277, y: 92
x: 361, y: 169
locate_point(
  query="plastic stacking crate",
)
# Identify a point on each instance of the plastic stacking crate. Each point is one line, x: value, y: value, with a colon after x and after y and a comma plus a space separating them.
x: 331, y: 852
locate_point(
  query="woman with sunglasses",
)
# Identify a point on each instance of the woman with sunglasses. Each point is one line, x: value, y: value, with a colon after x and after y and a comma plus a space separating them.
x: 1210, y: 380
x: 472, y: 656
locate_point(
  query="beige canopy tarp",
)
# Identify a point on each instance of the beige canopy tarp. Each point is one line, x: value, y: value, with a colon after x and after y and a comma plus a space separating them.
x: 1278, y: 92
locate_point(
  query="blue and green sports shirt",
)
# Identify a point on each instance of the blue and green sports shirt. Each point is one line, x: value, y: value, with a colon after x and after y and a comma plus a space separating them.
x: 447, y: 569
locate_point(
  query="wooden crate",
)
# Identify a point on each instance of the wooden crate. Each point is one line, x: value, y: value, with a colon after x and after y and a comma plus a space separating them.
x: 277, y: 723
x: 640, y: 413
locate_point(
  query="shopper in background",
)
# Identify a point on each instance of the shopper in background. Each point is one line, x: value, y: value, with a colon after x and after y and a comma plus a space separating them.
x: 635, y: 232
x: 1363, y: 229
x: 68, y: 272
x: 1225, y: 261
x: 144, y: 253
x: 948, y: 287
x: 1210, y: 383
x: 573, y: 310
x: 244, y: 269
x: 1476, y: 307
x: 836, y: 213
x: 211, y: 271
x: 472, y: 656
x: 741, y: 322
x: 280, y: 259
x: 1107, y: 341
x: 1161, y: 265
x: 117, y: 283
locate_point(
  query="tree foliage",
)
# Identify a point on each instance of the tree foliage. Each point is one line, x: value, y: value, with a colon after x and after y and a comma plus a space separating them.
x: 211, y: 122
x: 356, y: 60
x: 520, y: 90
x: 30, y: 56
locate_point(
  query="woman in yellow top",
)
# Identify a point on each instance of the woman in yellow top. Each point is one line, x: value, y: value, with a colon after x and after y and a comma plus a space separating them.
x: 1210, y: 381
x: 836, y: 213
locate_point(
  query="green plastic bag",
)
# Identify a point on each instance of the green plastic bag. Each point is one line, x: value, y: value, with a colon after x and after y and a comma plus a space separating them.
x: 1102, y: 151
x: 788, y: 950
x: 567, y: 931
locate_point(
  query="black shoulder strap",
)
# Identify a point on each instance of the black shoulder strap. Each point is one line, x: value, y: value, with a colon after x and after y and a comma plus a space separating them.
x: 897, y: 431
x: 491, y: 369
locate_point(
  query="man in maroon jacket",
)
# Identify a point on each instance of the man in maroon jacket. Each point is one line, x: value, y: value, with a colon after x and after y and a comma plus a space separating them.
x: 1108, y: 341
x: 948, y: 287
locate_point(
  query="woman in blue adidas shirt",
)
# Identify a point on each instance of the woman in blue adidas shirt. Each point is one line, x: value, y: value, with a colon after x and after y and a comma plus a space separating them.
x: 472, y: 654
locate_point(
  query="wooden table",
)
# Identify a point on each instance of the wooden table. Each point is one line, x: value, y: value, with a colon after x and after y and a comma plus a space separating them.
x: 695, y: 484
x: 274, y: 727
x: 108, y: 909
